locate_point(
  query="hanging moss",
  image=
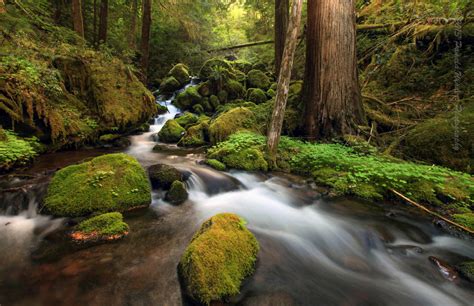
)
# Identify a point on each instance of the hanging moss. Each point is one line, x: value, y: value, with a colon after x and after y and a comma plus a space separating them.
x: 220, y: 256
x: 114, y: 182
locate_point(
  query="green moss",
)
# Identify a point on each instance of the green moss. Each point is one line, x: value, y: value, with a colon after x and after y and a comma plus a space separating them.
x: 230, y: 122
x: 210, y: 66
x: 204, y: 89
x: 214, y: 101
x: 220, y: 256
x: 188, y: 98
x: 257, y: 79
x: 195, y: 136
x: 256, y: 95
x: 161, y: 109
x: 162, y: 176
x: 105, y: 225
x: 177, y: 193
x: 234, y: 89
x: 107, y: 138
x: 214, y: 163
x: 16, y: 151
x: 169, y: 85
x: 171, y: 132
x: 466, y: 219
x: 223, y: 96
x: 271, y: 93
x: 242, y: 65
x: 181, y: 73
x: 187, y: 119
x: 467, y: 270
x: 198, y: 109
x: 114, y: 182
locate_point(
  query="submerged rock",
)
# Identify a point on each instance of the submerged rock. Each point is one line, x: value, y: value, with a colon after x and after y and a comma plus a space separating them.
x: 163, y: 176
x: 220, y: 256
x: 106, y: 227
x: 177, y: 193
x: 113, y: 182
x: 171, y: 132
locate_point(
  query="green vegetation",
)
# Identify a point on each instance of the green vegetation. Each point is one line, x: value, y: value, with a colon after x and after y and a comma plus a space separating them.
x: 187, y: 119
x: 256, y: 95
x: 163, y: 176
x: 177, y: 193
x: 230, y: 122
x: 107, y: 226
x: 354, y: 172
x: 258, y: 79
x: 466, y: 219
x: 467, y: 270
x: 214, y: 163
x: 196, y: 135
x: 171, y: 132
x: 113, y: 182
x: 16, y: 151
x: 220, y: 256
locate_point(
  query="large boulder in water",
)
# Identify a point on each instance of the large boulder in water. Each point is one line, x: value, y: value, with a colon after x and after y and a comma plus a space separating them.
x: 163, y: 176
x: 113, y: 182
x: 169, y: 85
x: 181, y: 73
x: 177, y: 193
x: 171, y: 132
x: 220, y: 256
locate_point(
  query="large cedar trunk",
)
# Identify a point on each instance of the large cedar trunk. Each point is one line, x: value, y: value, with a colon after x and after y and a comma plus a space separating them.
x: 284, y: 78
x: 103, y: 20
x: 331, y: 87
x: 77, y: 17
x: 281, y: 25
x: 145, y: 43
x: 133, y: 24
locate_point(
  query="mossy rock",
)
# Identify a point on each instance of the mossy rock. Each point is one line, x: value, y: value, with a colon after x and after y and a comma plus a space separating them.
x: 210, y: 65
x: 223, y: 96
x: 271, y: 93
x: 234, y: 89
x: 257, y: 79
x: 181, y: 73
x: 434, y: 141
x: 466, y: 269
x: 256, y: 95
x: 161, y: 109
x: 296, y: 88
x: 214, y: 163
x: 230, y: 122
x: 242, y: 65
x: 198, y: 109
x: 187, y: 119
x: 259, y: 66
x: 114, y: 182
x: 109, y: 226
x: 214, y: 101
x: 171, y: 132
x: 206, y: 105
x: 196, y: 136
x: 169, y: 85
x: 250, y: 159
x: 204, y: 89
x: 218, y: 259
x: 177, y: 193
x: 188, y: 98
x: 162, y: 176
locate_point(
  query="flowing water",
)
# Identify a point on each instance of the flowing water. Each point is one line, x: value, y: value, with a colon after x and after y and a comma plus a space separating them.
x: 313, y: 251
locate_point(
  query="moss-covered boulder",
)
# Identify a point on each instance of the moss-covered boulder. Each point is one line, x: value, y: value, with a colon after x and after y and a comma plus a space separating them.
x: 211, y: 65
x: 113, y: 182
x: 232, y: 121
x: 218, y: 259
x: 195, y: 136
x: 466, y: 269
x: 181, y: 73
x: 446, y: 140
x: 163, y: 176
x: 242, y: 65
x: 169, y: 85
x: 171, y: 132
x: 109, y: 226
x: 204, y: 89
x: 256, y: 95
x: 258, y: 79
x: 187, y: 119
x: 161, y: 109
x: 251, y: 159
x: 188, y: 98
x: 214, y: 163
x: 177, y: 193
x: 234, y: 89
x: 214, y: 101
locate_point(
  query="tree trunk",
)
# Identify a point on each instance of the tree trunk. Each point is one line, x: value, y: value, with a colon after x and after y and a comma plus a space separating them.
x: 281, y: 25
x: 133, y: 25
x: 284, y: 78
x: 77, y: 21
x: 331, y: 87
x: 145, y: 43
x: 103, y: 18
x: 94, y: 21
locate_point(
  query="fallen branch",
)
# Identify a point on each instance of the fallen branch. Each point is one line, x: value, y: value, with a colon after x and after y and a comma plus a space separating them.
x: 431, y: 212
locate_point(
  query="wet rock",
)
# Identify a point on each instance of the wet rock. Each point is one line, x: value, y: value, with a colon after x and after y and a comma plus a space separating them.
x: 162, y: 176
x: 270, y: 299
x: 177, y: 193
x: 171, y: 132
x: 445, y: 269
x: 466, y: 269
x: 405, y: 250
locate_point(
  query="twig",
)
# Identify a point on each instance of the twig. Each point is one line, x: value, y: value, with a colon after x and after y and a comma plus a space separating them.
x: 431, y: 212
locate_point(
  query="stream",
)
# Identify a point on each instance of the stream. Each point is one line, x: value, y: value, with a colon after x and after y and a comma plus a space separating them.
x: 313, y: 251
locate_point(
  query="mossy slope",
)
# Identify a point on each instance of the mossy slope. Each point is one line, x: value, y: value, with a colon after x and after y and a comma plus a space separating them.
x: 114, y: 182
x: 220, y: 256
